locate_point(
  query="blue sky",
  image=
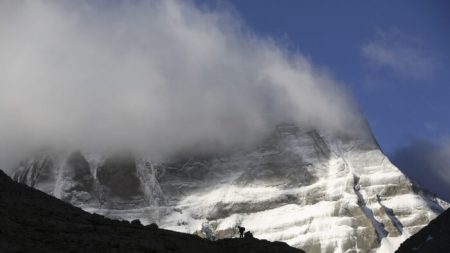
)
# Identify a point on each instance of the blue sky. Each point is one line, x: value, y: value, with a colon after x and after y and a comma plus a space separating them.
x: 400, y: 104
x: 393, y: 56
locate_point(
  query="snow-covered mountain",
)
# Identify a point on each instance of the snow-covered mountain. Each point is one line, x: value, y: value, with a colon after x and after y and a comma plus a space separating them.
x: 314, y: 190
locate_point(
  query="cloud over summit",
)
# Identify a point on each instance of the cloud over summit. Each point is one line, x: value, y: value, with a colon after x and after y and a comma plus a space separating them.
x: 159, y: 75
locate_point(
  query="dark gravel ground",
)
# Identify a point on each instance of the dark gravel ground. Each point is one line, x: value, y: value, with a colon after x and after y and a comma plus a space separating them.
x: 434, y: 238
x: 31, y: 221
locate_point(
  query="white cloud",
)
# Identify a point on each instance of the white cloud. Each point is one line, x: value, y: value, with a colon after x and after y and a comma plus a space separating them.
x: 158, y: 75
x: 403, y: 55
x: 440, y: 162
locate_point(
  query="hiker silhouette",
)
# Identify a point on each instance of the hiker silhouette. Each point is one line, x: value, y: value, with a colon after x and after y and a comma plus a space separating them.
x: 241, y: 232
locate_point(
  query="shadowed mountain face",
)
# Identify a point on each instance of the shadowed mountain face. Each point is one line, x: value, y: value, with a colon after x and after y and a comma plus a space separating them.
x: 432, y: 238
x: 118, y: 176
x: 318, y: 191
x: 78, y: 170
x: 32, y: 221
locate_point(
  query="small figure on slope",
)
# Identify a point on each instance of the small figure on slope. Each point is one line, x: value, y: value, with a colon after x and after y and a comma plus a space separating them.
x: 241, y: 231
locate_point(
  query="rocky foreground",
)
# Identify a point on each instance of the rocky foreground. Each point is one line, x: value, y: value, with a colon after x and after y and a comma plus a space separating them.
x: 31, y: 221
x: 432, y: 238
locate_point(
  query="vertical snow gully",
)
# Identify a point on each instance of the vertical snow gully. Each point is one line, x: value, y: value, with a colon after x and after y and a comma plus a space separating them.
x: 398, y: 225
x: 381, y: 232
x: 57, y: 189
x: 149, y: 184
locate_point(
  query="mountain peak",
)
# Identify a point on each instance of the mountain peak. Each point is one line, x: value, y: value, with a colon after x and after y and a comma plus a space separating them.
x: 293, y: 187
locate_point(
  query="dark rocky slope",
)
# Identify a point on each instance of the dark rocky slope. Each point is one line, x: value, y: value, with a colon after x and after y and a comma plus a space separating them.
x: 433, y: 238
x: 31, y: 221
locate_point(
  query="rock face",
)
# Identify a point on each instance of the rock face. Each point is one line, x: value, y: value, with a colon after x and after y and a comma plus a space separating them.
x: 32, y: 221
x: 79, y: 183
x: 118, y: 175
x: 314, y: 190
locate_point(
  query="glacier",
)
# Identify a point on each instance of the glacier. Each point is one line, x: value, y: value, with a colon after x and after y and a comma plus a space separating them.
x: 315, y: 190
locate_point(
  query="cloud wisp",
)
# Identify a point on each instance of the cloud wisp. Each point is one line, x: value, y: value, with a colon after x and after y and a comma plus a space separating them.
x: 427, y: 163
x: 403, y: 56
x: 157, y: 75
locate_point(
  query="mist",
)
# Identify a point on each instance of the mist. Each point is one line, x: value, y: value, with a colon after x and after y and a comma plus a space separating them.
x: 426, y: 162
x: 157, y: 76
